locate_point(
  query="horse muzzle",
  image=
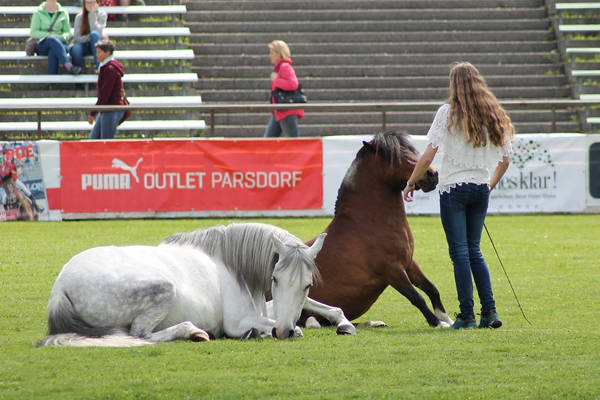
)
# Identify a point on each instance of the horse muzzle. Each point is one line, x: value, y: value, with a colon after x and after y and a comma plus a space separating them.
x: 429, y: 181
x: 282, y: 333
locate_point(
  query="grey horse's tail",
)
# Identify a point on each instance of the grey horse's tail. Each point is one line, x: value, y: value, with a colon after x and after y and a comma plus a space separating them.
x: 77, y: 340
x: 66, y: 328
x: 62, y: 318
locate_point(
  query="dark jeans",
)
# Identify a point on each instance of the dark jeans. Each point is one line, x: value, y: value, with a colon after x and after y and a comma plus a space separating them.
x: 80, y: 50
x: 56, y: 51
x: 287, y: 126
x: 463, y: 212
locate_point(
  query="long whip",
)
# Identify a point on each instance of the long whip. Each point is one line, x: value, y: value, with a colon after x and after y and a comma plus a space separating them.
x: 503, y: 269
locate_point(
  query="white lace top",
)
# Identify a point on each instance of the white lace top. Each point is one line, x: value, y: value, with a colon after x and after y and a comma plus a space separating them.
x: 461, y: 161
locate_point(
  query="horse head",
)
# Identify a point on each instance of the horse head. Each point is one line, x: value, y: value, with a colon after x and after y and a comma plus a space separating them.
x: 293, y: 275
x: 429, y: 181
x: 399, y: 157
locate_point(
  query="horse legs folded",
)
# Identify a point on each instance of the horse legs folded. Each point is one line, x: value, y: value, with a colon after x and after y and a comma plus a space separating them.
x: 402, y: 283
x: 183, y: 330
x: 158, y: 298
x: 416, y: 276
x: 335, y: 315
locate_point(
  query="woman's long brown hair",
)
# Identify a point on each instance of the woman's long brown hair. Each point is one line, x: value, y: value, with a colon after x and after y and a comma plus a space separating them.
x: 85, y: 23
x: 474, y: 108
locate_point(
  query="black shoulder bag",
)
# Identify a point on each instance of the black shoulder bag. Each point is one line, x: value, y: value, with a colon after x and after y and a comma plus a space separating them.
x: 289, y: 96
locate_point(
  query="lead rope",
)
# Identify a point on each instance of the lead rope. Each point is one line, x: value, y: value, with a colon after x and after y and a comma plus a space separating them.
x: 503, y: 269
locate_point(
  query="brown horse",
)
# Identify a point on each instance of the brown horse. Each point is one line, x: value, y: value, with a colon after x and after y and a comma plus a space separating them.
x: 369, y: 244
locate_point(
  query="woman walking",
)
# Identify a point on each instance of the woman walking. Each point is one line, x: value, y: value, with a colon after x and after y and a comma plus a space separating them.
x: 473, y: 131
x: 110, y: 92
x: 283, y: 77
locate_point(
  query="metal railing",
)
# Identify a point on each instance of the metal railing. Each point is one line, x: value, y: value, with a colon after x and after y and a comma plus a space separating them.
x: 381, y: 107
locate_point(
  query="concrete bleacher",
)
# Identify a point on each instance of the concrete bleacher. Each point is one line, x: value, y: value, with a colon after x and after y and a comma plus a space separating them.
x: 579, y: 24
x: 377, y: 50
x: 90, y: 79
x: 180, y: 55
x: 112, y: 32
x: 145, y: 10
x: 152, y: 44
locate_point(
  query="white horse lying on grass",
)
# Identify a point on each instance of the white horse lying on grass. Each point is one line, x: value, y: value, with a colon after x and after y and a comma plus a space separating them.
x: 136, y: 295
x: 217, y: 242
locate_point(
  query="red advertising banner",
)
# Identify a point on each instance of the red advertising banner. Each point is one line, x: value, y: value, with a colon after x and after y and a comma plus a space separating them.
x: 191, y: 175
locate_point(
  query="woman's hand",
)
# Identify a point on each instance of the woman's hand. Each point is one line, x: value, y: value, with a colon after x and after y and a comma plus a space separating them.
x: 273, y: 76
x: 420, y: 168
x: 408, y: 192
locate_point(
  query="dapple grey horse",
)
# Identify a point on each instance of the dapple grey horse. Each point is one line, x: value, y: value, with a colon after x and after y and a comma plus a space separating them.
x: 132, y: 295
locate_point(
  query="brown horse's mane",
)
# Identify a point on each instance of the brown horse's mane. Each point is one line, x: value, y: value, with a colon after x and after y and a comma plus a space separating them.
x: 391, y: 147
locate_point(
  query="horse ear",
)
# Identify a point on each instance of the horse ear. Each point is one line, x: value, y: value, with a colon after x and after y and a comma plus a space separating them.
x: 278, y: 243
x: 368, y: 146
x: 317, y: 245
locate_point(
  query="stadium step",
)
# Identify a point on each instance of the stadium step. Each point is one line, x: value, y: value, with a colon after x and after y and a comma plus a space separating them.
x: 377, y: 50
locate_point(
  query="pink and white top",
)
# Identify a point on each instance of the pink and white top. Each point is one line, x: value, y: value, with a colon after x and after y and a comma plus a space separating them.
x: 461, y: 161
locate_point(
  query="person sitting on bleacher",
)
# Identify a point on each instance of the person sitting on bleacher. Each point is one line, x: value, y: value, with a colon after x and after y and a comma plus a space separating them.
x: 53, y: 43
x: 88, y: 29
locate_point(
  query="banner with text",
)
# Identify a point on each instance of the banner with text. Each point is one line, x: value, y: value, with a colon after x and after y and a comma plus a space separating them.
x: 547, y: 173
x: 188, y: 175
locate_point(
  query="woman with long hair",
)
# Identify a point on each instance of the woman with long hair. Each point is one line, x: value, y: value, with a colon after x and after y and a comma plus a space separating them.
x: 88, y: 29
x: 283, y: 77
x: 473, y: 132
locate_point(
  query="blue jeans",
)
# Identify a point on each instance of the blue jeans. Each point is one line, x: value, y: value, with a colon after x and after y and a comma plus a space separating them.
x: 463, y: 212
x: 288, y: 126
x: 80, y: 50
x: 56, y: 51
x: 106, y: 124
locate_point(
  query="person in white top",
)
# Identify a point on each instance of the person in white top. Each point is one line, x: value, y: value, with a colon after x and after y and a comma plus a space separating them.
x: 472, y: 132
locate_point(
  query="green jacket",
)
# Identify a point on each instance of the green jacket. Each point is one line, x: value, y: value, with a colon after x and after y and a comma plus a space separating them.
x: 41, y: 20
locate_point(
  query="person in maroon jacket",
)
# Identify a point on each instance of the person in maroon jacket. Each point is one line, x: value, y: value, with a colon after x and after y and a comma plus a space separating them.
x: 110, y: 92
x: 283, y: 77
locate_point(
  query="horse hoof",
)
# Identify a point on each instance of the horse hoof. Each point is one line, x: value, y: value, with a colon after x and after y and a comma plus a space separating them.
x: 199, y: 337
x: 312, y: 323
x: 346, y: 330
x: 252, y: 333
x: 372, y: 324
x: 444, y: 325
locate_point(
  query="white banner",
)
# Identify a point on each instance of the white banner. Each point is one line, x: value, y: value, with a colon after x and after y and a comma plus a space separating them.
x: 547, y: 174
x: 338, y: 154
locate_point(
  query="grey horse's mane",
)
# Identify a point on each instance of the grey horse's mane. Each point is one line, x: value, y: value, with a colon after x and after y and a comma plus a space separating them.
x: 248, y: 251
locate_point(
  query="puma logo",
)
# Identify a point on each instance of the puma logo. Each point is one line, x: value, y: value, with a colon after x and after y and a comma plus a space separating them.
x: 116, y: 163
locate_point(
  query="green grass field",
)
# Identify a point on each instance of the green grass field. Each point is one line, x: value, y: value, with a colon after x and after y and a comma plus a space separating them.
x: 552, y: 261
